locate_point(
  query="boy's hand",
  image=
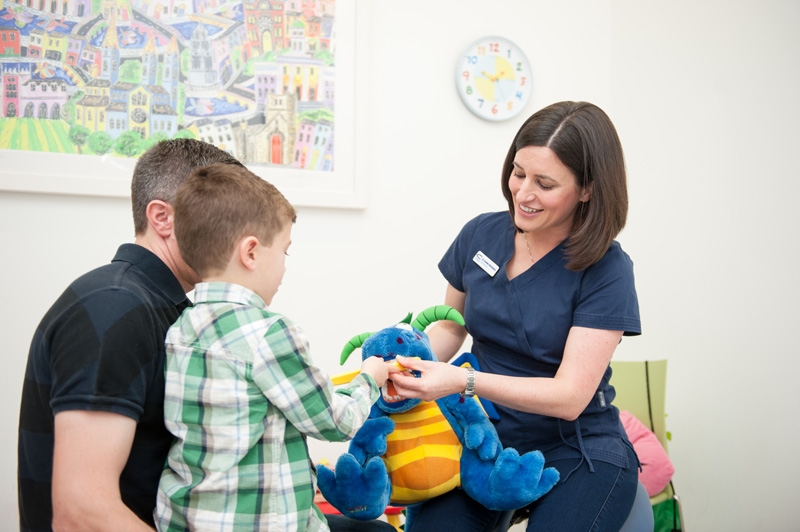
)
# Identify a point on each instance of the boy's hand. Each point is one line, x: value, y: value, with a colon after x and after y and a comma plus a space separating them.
x: 379, y: 370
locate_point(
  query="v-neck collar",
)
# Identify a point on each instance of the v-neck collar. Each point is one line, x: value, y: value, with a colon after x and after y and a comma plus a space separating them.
x: 554, y: 255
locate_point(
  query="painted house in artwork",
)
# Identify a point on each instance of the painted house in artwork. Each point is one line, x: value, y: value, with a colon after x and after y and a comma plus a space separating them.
x: 27, y: 96
x: 322, y: 147
x: 90, y: 60
x: 11, y: 80
x: 117, y: 118
x: 302, y: 150
x: 55, y: 46
x: 10, y: 42
x: 67, y: 8
x: 74, y: 49
x: 36, y: 43
x: 90, y: 109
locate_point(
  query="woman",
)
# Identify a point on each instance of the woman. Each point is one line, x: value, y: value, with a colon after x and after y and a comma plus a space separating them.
x: 547, y: 294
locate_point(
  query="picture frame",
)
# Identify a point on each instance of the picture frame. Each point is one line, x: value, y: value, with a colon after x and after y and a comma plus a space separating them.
x: 345, y: 186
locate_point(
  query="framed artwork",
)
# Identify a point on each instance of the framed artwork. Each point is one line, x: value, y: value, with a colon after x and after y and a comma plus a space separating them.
x: 88, y: 85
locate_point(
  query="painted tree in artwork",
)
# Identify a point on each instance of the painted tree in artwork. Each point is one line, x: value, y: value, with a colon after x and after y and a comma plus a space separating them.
x: 100, y: 142
x: 131, y: 71
x: 129, y: 144
x: 78, y: 135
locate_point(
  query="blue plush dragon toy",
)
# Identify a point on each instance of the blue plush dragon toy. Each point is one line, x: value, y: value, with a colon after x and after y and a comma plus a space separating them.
x: 410, y: 450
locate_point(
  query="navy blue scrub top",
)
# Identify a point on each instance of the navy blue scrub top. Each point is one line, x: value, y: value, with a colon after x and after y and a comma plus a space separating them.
x: 520, y: 328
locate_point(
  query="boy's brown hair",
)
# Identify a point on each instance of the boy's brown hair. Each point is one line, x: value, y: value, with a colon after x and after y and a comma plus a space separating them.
x: 220, y: 204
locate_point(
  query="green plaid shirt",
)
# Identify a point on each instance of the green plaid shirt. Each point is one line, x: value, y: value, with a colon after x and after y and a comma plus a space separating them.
x: 241, y: 397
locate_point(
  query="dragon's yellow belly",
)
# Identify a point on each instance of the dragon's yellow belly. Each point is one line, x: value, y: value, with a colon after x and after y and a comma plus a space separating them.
x: 423, y: 455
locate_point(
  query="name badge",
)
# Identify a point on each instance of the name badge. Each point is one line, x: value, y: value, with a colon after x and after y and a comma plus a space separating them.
x: 485, y: 263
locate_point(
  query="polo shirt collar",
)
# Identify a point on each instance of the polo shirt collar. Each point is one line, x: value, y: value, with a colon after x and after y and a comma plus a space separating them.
x: 154, y: 268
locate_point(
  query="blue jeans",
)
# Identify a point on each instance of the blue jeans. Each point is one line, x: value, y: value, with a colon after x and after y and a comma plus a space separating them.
x: 597, y: 502
x: 340, y: 523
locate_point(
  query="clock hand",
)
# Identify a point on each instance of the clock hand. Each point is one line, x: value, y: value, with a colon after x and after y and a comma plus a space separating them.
x: 499, y: 89
x: 489, y: 76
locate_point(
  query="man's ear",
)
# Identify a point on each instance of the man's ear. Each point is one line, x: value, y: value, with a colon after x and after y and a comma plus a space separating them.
x: 160, y: 217
x: 248, y: 252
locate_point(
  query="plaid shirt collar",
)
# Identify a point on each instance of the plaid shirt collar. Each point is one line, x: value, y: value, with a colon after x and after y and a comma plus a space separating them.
x: 219, y: 292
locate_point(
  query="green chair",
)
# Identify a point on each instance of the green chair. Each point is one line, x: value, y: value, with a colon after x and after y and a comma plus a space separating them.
x: 641, y: 390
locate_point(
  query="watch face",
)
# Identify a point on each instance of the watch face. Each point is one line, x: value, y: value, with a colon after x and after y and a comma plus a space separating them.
x: 494, y: 78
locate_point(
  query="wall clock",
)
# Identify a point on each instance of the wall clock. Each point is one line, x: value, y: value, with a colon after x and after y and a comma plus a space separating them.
x: 493, y: 77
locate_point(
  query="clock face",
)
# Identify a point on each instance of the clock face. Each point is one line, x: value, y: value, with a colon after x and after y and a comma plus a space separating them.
x: 493, y: 78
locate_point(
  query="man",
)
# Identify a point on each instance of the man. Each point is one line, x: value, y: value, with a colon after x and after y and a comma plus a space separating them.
x: 92, y: 441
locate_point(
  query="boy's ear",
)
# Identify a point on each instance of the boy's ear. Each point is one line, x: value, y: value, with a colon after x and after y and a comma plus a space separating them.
x: 248, y: 250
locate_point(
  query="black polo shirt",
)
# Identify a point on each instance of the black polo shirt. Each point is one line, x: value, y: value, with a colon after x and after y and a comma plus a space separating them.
x: 100, y: 347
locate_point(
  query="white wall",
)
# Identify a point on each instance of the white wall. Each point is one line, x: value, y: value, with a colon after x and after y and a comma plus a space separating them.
x: 705, y: 98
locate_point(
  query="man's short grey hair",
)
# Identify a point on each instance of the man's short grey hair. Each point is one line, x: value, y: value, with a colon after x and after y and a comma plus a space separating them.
x: 162, y: 169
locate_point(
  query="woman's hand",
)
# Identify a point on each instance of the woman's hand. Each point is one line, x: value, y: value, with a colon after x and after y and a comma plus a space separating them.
x: 437, y: 379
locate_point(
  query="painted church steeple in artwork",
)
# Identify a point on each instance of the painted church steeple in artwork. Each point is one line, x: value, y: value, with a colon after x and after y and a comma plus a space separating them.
x: 171, y: 71
x: 150, y: 61
x: 203, y: 78
x: 109, y: 62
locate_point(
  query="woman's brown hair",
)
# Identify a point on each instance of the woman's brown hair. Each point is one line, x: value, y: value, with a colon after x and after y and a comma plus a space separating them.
x: 584, y: 139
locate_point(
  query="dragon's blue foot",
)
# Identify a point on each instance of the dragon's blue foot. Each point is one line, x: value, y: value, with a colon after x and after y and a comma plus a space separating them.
x: 513, y: 481
x: 357, y: 492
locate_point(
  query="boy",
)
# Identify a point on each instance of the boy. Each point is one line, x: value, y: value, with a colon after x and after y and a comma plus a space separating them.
x: 241, y: 391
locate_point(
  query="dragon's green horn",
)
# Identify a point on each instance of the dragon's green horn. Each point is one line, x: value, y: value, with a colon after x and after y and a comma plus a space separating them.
x: 407, y: 319
x: 436, y: 313
x: 354, y: 343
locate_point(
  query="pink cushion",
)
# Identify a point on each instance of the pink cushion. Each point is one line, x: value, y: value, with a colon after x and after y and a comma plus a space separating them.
x: 657, y: 469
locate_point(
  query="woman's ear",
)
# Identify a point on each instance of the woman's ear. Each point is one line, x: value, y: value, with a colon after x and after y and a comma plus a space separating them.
x: 248, y: 252
x: 160, y: 217
x: 586, y: 195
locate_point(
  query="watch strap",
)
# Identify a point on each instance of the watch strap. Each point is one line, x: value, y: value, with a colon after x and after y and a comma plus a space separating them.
x: 469, y: 391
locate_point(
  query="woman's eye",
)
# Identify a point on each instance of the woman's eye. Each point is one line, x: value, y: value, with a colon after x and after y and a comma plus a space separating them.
x: 519, y: 176
x: 545, y: 187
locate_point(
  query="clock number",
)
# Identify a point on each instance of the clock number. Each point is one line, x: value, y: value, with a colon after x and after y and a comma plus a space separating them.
x: 519, y: 66
x: 469, y: 89
x: 480, y: 100
x: 472, y: 59
x: 519, y: 95
x: 494, y: 109
x: 522, y: 81
x: 481, y: 50
x: 494, y: 48
x: 465, y: 75
x: 510, y: 105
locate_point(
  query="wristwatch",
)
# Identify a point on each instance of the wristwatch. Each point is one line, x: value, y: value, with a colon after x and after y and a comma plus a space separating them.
x: 469, y: 391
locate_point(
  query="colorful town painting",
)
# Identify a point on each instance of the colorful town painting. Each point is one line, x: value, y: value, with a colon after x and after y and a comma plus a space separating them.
x: 255, y: 78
